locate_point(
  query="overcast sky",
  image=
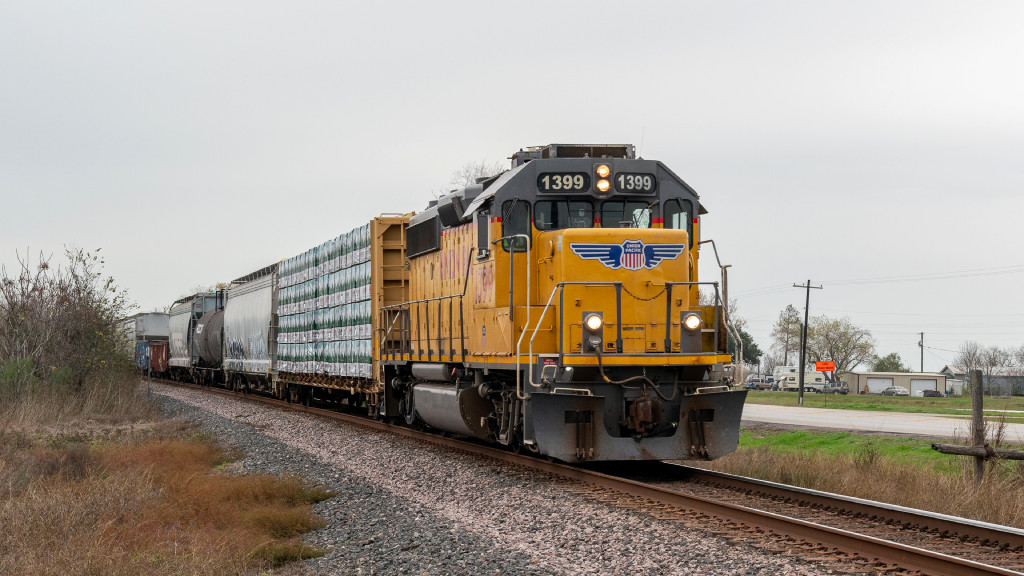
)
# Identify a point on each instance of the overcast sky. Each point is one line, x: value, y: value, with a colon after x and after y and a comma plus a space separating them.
x: 875, y: 148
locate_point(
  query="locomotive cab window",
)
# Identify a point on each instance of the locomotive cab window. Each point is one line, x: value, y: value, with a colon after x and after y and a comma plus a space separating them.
x: 626, y: 214
x: 515, y: 219
x: 483, y: 239
x: 561, y: 214
x: 677, y: 216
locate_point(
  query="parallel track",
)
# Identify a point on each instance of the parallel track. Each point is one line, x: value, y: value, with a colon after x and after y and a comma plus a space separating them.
x: 844, y: 549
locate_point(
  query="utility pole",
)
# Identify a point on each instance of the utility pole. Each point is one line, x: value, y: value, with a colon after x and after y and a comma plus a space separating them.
x: 978, y: 420
x: 921, y: 344
x: 803, y: 338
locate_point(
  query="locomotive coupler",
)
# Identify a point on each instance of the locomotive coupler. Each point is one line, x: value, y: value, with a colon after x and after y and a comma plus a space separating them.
x: 644, y: 413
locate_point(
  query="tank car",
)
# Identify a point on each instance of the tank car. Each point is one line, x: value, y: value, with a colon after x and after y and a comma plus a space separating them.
x: 196, y: 326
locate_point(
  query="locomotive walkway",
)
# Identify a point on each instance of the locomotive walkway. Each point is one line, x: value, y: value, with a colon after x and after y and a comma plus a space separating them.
x: 937, y: 425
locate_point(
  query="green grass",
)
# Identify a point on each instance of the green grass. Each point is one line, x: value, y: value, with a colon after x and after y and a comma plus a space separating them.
x: 954, y: 405
x: 912, y: 452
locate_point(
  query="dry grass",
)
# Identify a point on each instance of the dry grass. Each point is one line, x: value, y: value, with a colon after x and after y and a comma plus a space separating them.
x: 112, y: 400
x: 158, y: 506
x: 868, y: 474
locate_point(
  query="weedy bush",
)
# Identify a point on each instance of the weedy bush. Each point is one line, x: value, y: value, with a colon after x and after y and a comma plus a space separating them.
x: 62, y: 355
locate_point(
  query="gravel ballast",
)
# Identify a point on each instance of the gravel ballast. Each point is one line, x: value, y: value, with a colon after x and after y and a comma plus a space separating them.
x: 405, y: 507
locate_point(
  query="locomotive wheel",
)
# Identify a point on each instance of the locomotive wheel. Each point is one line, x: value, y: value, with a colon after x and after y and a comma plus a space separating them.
x: 407, y: 408
x: 375, y: 409
x: 517, y: 443
x: 293, y: 394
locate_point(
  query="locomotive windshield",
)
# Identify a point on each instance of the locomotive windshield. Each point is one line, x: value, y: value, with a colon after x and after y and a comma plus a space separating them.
x: 626, y: 214
x: 560, y: 214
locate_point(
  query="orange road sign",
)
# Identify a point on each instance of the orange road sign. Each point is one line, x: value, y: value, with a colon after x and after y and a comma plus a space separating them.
x: 828, y: 366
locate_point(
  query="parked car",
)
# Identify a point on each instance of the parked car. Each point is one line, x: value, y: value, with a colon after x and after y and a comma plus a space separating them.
x: 895, y: 391
x: 837, y: 388
x: 758, y: 384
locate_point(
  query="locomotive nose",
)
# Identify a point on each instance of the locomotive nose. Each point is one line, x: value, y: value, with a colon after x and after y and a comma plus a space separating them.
x: 622, y: 275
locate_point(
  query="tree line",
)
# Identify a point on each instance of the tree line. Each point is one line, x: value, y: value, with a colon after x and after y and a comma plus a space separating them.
x: 991, y: 360
x: 828, y: 339
x: 851, y: 346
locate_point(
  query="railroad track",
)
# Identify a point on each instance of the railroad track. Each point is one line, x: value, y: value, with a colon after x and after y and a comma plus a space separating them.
x: 847, y: 535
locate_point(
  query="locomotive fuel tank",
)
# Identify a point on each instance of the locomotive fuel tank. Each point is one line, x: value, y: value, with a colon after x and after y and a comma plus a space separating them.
x: 443, y: 402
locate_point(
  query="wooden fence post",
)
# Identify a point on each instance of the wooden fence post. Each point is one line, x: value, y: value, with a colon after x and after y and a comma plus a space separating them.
x: 978, y: 421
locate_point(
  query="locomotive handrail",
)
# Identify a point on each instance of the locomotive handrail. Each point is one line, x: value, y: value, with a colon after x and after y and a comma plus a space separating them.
x: 511, y: 306
x: 725, y: 296
x: 618, y: 319
x: 537, y: 327
x: 388, y: 332
x: 406, y: 307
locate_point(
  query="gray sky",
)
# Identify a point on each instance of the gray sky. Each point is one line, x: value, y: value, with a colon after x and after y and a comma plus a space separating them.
x: 836, y: 142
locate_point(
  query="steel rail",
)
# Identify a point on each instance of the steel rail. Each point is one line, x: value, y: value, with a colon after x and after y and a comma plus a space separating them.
x: 877, y: 549
x: 944, y: 524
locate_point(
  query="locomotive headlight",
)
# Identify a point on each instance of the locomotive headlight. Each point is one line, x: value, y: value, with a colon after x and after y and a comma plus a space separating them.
x: 593, y: 333
x: 603, y: 170
x: 690, y: 336
x: 691, y: 321
x: 603, y: 185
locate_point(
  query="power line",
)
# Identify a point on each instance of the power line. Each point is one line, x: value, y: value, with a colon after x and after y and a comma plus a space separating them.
x: 945, y: 314
x: 934, y: 355
x: 933, y: 276
x: 1015, y: 269
x: 941, y: 349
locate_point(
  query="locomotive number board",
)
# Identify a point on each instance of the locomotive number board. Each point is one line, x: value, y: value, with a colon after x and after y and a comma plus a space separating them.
x: 635, y: 183
x: 563, y: 182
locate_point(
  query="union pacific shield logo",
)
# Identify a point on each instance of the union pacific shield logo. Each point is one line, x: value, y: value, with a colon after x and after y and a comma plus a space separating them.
x: 631, y: 254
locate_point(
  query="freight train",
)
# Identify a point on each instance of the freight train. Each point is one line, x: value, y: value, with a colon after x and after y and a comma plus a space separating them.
x: 554, y: 308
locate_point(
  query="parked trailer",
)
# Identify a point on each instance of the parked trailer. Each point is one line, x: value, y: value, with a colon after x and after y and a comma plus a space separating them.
x: 813, y: 382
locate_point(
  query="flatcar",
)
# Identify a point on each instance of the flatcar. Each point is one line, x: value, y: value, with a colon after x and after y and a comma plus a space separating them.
x: 554, y: 308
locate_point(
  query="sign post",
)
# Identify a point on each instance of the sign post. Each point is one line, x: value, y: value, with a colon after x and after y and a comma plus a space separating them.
x: 826, y: 366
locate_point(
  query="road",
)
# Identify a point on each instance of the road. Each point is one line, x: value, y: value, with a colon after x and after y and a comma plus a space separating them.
x: 934, y: 425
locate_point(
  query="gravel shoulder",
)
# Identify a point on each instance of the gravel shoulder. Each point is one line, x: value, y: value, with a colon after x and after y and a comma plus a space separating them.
x: 409, y: 508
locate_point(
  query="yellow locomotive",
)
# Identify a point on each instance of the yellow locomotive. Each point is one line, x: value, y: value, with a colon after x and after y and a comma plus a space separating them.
x: 556, y: 308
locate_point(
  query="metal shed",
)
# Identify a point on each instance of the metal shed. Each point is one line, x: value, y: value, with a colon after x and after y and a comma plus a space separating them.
x: 875, y: 382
